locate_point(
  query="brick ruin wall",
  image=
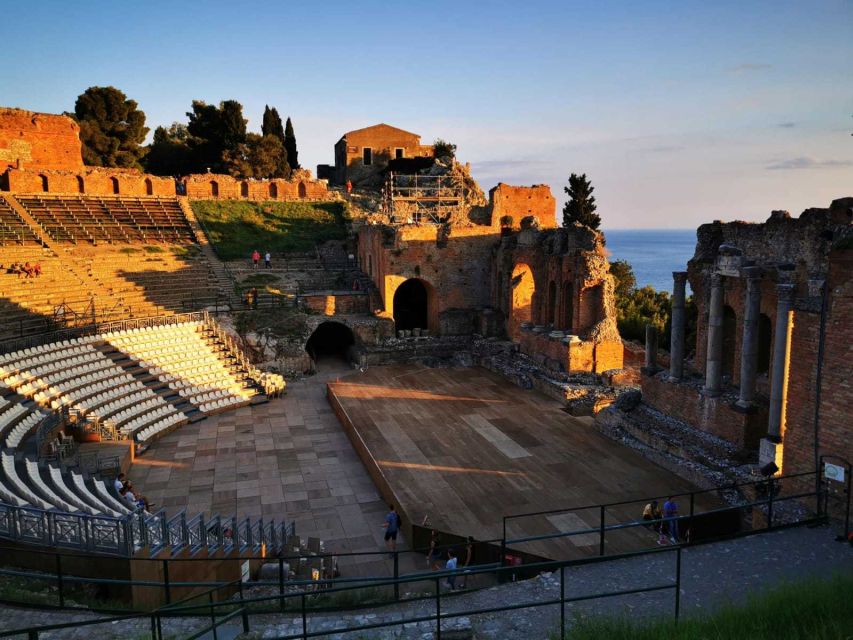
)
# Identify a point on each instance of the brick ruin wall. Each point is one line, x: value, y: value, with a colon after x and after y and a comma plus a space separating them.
x: 509, y: 205
x: 97, y: 181
x: 792, y: 250
x: 47, y: 141
x: 207, y: 186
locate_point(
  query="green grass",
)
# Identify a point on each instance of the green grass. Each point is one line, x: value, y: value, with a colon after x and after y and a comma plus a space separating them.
x: 150, y: 248
x: 808, y: 610
x: 236, y: 228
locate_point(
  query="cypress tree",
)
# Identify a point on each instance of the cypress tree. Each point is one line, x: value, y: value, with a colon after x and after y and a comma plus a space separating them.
x: 290, y: 145
x: 581, y: 204
x: 271, y: 125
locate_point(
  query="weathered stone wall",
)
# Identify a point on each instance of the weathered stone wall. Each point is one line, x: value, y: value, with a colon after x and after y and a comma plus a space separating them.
x: 42, y: 140
x: 99, y: 181
x: 206, y: 186
x: 336, y: 303
x: 383, y: 140
x: 509, y: 205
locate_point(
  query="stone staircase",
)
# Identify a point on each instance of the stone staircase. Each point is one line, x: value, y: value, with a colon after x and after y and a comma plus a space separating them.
x: 224, y: 279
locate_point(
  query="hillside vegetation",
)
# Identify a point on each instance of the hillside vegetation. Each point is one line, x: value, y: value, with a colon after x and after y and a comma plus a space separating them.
x: 236, y: 228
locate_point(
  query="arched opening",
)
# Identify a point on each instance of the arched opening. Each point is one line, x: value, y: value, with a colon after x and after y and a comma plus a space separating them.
x: 303, y: 192
x: 214, y: 188
x: 81, y: 185
x: 114, y: 183
x: 411, y: 305
x: 244, y: 189
x: 330, y: 344
x: 44, y: 184
x: 552, y: 303
x: 149, y: 187
x: 567, y: 307
x: 273, y: 190
x: 591, y: 310
x: 729, y: 340
x: 523, y: 287
x: 765, y: 335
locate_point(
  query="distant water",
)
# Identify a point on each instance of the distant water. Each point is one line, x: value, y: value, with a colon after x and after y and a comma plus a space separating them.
x: 653, y: 253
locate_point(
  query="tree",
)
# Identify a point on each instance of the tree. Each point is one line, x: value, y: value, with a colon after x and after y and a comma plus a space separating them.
x: 112, y: 128
x: 581, y: 204
x: 290, y: 145
x: 271, y: 125
x: 258, y: 157
x: 443, y: 149
x: 623, y: 274
x: 169, y: 154
x: 215, y: 132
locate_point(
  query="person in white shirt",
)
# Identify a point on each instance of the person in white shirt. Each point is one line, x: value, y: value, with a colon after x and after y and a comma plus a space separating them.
x: 118, y: 485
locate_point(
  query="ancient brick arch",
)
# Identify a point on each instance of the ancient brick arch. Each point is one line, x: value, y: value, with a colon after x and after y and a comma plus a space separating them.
x: 414, y: 305
x: 115, y: 185
x: 273, y: 190
x: 523, y: 287
x: 149, y: 187
x: 214, y: 188
x: 81, y: 184
x: 303, y: 192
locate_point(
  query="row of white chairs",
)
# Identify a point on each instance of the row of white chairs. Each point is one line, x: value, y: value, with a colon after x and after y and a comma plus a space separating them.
x: 143, y: 407
x: 23, y: 429
x: 221, y: 403
x: 146, y: 418
x: 47, y: 358
x: 75, y: 390
x: 136, y: 393
x: 150, y: 431
x: 31, y: 369
x: 11, y: 414
x: 46, y: 348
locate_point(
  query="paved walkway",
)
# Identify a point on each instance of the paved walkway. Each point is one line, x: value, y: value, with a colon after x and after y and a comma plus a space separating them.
x: 711, y: 575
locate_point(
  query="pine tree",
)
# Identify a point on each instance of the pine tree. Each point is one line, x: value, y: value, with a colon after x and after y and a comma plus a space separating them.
x: 581, y: 204
x: 290, y: 145
x: 112, y: 128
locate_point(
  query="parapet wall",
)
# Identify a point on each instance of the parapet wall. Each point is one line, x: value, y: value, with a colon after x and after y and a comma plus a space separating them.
x: 39, y: 140
x: 207, y: 186
x: 99, y: 181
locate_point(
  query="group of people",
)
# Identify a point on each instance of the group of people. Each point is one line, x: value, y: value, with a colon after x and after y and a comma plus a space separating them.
x: 256, y: 257
x: 125, y: 490
x: 664, y: 520
x: 435, y: 556
x: 25, y: 270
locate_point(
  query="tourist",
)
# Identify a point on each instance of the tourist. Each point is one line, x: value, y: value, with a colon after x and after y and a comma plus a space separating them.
x: 255, y: 257
x: 37, y: 269
x: 349, y: 187
x: 652, y: 514
x: 434, y: 555
x: 451, y: 566
x: 670, y: 513
x: 469, y: 557
x: 140, y: 501
x: 392, y: 527
x: 119, y: 483
x: 267, y: 258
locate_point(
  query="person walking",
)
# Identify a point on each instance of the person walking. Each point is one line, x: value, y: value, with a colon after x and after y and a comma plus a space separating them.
x: 392, y: 528
x: 469, y: 558
x: 451, y: 566
x: 255, y: 257
x: 349, y: 188
x: 267, y: 258
x: 670, y: 513
x: 434, y: 555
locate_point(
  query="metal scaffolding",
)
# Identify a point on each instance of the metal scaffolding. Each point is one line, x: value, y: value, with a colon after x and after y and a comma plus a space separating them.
x: 422, y: 198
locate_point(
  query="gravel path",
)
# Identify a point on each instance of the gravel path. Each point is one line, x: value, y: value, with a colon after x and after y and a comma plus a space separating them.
x: 711, y: 575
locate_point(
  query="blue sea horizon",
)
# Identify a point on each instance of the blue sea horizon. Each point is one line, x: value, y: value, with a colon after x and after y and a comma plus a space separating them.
x: 653, y: 253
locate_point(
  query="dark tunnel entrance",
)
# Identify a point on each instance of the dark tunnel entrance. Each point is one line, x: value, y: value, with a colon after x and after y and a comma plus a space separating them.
x: 411, y: 305
x: 331, y: 343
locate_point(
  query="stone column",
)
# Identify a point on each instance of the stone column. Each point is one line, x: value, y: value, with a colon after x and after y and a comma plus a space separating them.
x: 676, y: 345
x: 714, y: 354
x: 779, y: 373
x: 749, y: 344
x: 651, y: 350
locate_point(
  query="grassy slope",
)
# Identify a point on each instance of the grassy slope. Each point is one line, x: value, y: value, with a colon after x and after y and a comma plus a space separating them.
x: 809, y: 610
x: 236, y: 227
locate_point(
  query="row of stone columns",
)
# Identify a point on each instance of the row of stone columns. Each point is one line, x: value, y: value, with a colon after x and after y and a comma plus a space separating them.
x: 749, y: 343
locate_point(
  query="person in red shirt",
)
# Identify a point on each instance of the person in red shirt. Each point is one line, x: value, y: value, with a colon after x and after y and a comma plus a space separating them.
x: 255, y: 257
x: 349, y: 187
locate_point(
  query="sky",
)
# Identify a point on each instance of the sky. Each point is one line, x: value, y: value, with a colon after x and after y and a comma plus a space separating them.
x: 679, y: 113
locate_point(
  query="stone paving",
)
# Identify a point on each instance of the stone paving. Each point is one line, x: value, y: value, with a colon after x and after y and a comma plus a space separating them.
x: 711, y: 575
x: 287, y: 458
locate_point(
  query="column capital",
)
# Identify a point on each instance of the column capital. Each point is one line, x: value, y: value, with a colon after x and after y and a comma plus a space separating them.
x: 785, y: 293
x: 679, y: 277
x: 716, y: 279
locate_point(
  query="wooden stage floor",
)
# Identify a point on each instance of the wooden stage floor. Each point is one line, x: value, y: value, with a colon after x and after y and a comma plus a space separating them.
x: 465, y: 447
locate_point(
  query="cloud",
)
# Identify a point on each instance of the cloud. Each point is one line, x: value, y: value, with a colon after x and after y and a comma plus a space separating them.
x: 805, y: 162
x: 747, y: 67
x: 787, y: 125
x: 505, y: 165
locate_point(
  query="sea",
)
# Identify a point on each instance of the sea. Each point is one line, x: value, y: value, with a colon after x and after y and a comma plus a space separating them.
x: 653, y: 253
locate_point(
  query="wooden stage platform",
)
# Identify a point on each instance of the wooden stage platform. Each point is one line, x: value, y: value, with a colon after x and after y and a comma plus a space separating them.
x: 465, y: 447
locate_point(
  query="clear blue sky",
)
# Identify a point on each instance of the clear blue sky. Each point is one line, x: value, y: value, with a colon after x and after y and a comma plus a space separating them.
x: 679, y: 112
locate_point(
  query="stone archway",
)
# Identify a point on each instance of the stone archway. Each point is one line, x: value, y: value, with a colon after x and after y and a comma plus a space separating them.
x: 331, y: 345
x: 214, y: 188
x: 149, y: 187
x: 244, y: 189
x: 413, y: 305
x: 523, y: 288
x: 303, y: 192
x: 115, y: 185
